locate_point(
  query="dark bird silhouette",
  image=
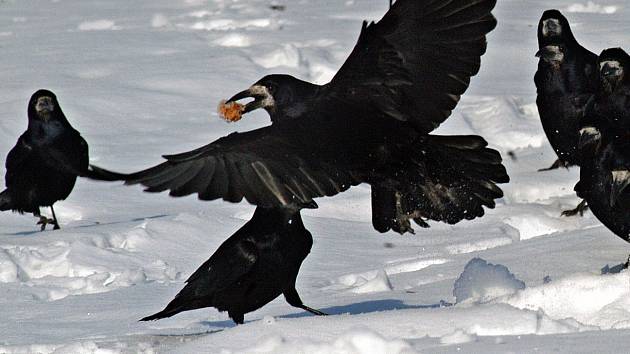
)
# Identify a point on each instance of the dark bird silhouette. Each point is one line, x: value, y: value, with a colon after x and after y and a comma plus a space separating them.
x: 605, y: 145
x: 43, y: 166
x: 565, y: 80
x: 370, y: 124
x: 251, y: 268
x: 567, y: 77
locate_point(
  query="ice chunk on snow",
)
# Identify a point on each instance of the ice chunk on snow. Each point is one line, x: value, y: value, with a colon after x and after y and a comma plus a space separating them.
x: 160, y: 20
x: 234, y: 40
x: 288, y: 55
x: 482, y: 281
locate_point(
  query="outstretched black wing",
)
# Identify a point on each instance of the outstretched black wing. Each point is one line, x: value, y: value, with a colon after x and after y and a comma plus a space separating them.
x: 416, y: 62
x: 263, y: 166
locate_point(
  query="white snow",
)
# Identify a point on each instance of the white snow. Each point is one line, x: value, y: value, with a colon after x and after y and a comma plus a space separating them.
x: 142, y: 78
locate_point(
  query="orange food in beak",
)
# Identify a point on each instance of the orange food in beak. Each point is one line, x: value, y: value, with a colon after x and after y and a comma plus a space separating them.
x: 231, y: 112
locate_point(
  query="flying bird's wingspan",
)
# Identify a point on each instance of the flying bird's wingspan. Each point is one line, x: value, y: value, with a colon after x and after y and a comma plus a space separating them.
x: 416, y: 62
x: 261, y: 166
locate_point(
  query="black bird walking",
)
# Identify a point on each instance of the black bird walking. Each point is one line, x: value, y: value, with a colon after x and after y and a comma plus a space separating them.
x: 43, y: 166
x: 370, y: 124
x: 605, y: 145
x: 566, y: 78
x: 250, y: 269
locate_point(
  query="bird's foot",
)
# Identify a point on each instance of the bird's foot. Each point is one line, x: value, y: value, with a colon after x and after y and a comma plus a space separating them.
x: 580, y: 209
x: 43, y: 221
x: 559, y: 163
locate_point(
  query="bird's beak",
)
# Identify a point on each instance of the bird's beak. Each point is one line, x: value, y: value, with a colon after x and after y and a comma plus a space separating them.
x: 589, y: 136
x: 610, y: 69
x: 620, y: 180
x: 259, y: 93
x: 44, y: 106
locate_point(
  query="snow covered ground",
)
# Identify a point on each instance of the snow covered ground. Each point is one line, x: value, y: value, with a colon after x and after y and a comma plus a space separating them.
x: 143, y: 78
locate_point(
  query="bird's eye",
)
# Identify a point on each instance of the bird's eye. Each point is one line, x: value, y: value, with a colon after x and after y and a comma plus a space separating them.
x: 272, y: 88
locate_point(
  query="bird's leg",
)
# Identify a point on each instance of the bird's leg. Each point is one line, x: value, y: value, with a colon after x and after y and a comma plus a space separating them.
x: 43, y: 221
x: 559, y: 163
x: 56, y: 227
x: 580, y: 209
x: 294, y: 300
x: 390, y: 3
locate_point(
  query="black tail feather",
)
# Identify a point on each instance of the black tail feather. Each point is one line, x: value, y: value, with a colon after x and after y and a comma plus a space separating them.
x: 101, y: 174
x: 448, y: 178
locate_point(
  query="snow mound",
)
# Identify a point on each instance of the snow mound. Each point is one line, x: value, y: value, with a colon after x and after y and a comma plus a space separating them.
x: 482, y: 281
x: 87, y: 265
x: 594, y: 300
x: 368, y: 282
x: 288, y: 56
x: 354, y: 342
x: 234, y: 40
x: 98, y: 25
x: 593, y: 8
x: 458, y: 337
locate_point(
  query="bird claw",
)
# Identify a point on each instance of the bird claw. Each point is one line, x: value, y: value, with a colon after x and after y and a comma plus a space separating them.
x: 44, y: 221
x: 580, y: 209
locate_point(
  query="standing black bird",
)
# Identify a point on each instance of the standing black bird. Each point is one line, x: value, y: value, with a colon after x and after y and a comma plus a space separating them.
x: 370, y: 124
x: 565, y: 80
x: 43, y: 166
x: 605, y: 145
x: 250, y: 269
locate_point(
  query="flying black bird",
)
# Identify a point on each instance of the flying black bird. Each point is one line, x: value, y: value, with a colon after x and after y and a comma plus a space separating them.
x: 370, y: 124
x: 605, y: 145
x: 43, y: 166
x: 250, y: 269
x: 565, y: 80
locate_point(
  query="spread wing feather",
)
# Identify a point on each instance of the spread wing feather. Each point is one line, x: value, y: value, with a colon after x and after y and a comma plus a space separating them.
x: 261, y: 166
x: 416, y: 62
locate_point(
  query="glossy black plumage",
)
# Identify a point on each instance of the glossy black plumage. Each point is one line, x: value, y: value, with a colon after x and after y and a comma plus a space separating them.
x: 251, y: 268
x: 605, y: 145
x: 369, y: 124
x: 567, y: 77
x: 43, y: 166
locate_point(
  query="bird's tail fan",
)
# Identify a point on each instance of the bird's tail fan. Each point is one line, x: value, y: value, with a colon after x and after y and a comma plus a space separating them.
x: 446, y: 178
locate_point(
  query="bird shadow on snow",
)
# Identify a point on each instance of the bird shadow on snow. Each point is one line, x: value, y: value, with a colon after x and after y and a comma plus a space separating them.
x: 369, y: 306
x: 91, y: 224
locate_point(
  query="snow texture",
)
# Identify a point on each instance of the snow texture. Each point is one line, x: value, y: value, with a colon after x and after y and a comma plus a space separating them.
x: 140, y: 79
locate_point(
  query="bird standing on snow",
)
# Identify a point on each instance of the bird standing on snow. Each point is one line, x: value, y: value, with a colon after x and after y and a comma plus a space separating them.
x: 566, y: 79
x: 370, y: 124
x: 605, y: 145
x: 43, y: 166
x: 251, y: 268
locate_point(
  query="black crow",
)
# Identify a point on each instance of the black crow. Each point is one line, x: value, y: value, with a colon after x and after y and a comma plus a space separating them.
x: 370, y: 124
x: 250, y: 269
x: 605, y: 145
x: 43, y: 166
x: 565, y: 80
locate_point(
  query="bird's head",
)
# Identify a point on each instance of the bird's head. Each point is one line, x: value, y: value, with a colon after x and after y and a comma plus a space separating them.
x: 553, y: 27
x: 43, y: 105
x: 613, y: 64
x: 279, y: 95
x: 552, y: 54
